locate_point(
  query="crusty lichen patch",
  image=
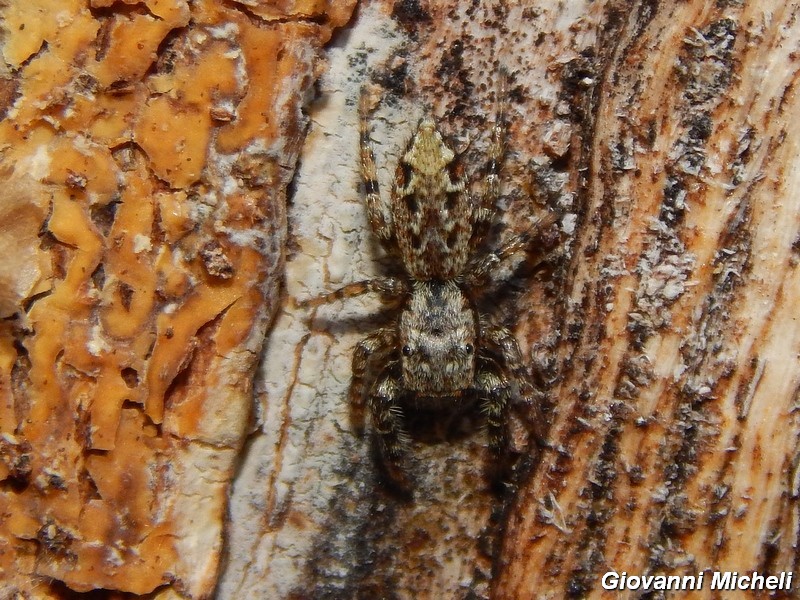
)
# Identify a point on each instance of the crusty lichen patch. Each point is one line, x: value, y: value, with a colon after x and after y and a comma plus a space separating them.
x: 145, y: 164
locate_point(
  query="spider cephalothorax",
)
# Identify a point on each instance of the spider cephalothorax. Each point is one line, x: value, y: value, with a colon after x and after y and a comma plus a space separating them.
x: 439, y: 347
x: 437, y: 330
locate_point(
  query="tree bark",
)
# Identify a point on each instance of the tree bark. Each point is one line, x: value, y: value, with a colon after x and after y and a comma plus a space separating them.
x: 146, y: 148
x: 656, y: 318
x: 673, y: 447
x: 660, y: 330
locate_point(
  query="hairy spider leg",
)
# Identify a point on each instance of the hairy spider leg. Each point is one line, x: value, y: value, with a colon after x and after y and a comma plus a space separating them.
x: 387, y: 287
x: 505, y: 345
x: 387, y: 421
x: 382, y: 226
x: 369, y: 358
x: 485, y: 209
x: 495, y: 393
x: 484, y: 268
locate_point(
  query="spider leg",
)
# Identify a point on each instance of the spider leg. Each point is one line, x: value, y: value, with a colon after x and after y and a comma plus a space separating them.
x: 482, y: 270
x: 387, y: 421
x: 502, y: 343
x: 371, y: 354
x: 495, y: 392
x: 387, y: 287
x: 382, y: 226
x: 484, y: 211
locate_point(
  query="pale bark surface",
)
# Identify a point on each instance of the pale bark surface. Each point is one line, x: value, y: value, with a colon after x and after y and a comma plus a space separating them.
x: 661, y: 330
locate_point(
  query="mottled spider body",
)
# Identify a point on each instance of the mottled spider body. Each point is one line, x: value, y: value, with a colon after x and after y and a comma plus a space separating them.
x: 432, y: 222
x: 440, y: 348
x: 437, y: 336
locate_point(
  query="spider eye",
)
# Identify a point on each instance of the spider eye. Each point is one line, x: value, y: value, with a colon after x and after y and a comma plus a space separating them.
x: 407, y: 351
x: 469, y: 349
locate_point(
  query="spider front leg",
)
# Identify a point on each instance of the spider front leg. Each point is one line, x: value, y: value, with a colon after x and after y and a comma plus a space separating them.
x: 370, y: 357
x: 504, y: 344
x: 501, y: 342
x: 495, y: 392
x: 387, y: 421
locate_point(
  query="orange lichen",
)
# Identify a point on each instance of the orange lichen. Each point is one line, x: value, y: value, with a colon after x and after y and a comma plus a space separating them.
x: 130, y: 42
x: 23, y: 271
x: 287, y: 9
x: 138, y: 297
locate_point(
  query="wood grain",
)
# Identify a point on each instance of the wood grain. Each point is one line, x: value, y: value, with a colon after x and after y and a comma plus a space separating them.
x: 659, y: 329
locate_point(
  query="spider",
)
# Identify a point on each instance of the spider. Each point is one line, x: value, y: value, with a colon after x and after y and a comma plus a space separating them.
x: 440, y: 350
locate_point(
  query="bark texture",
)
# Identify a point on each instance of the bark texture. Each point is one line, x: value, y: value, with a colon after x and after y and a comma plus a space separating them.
x: 145, y: 149
x: 674, y: 435
x: 660, y: 330
x: 157, y: 139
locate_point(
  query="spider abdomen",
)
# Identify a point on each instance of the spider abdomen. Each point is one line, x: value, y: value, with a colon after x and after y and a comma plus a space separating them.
x: 432, y: 209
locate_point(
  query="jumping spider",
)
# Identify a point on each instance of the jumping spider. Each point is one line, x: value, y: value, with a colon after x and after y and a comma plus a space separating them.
x: 440, y: 350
